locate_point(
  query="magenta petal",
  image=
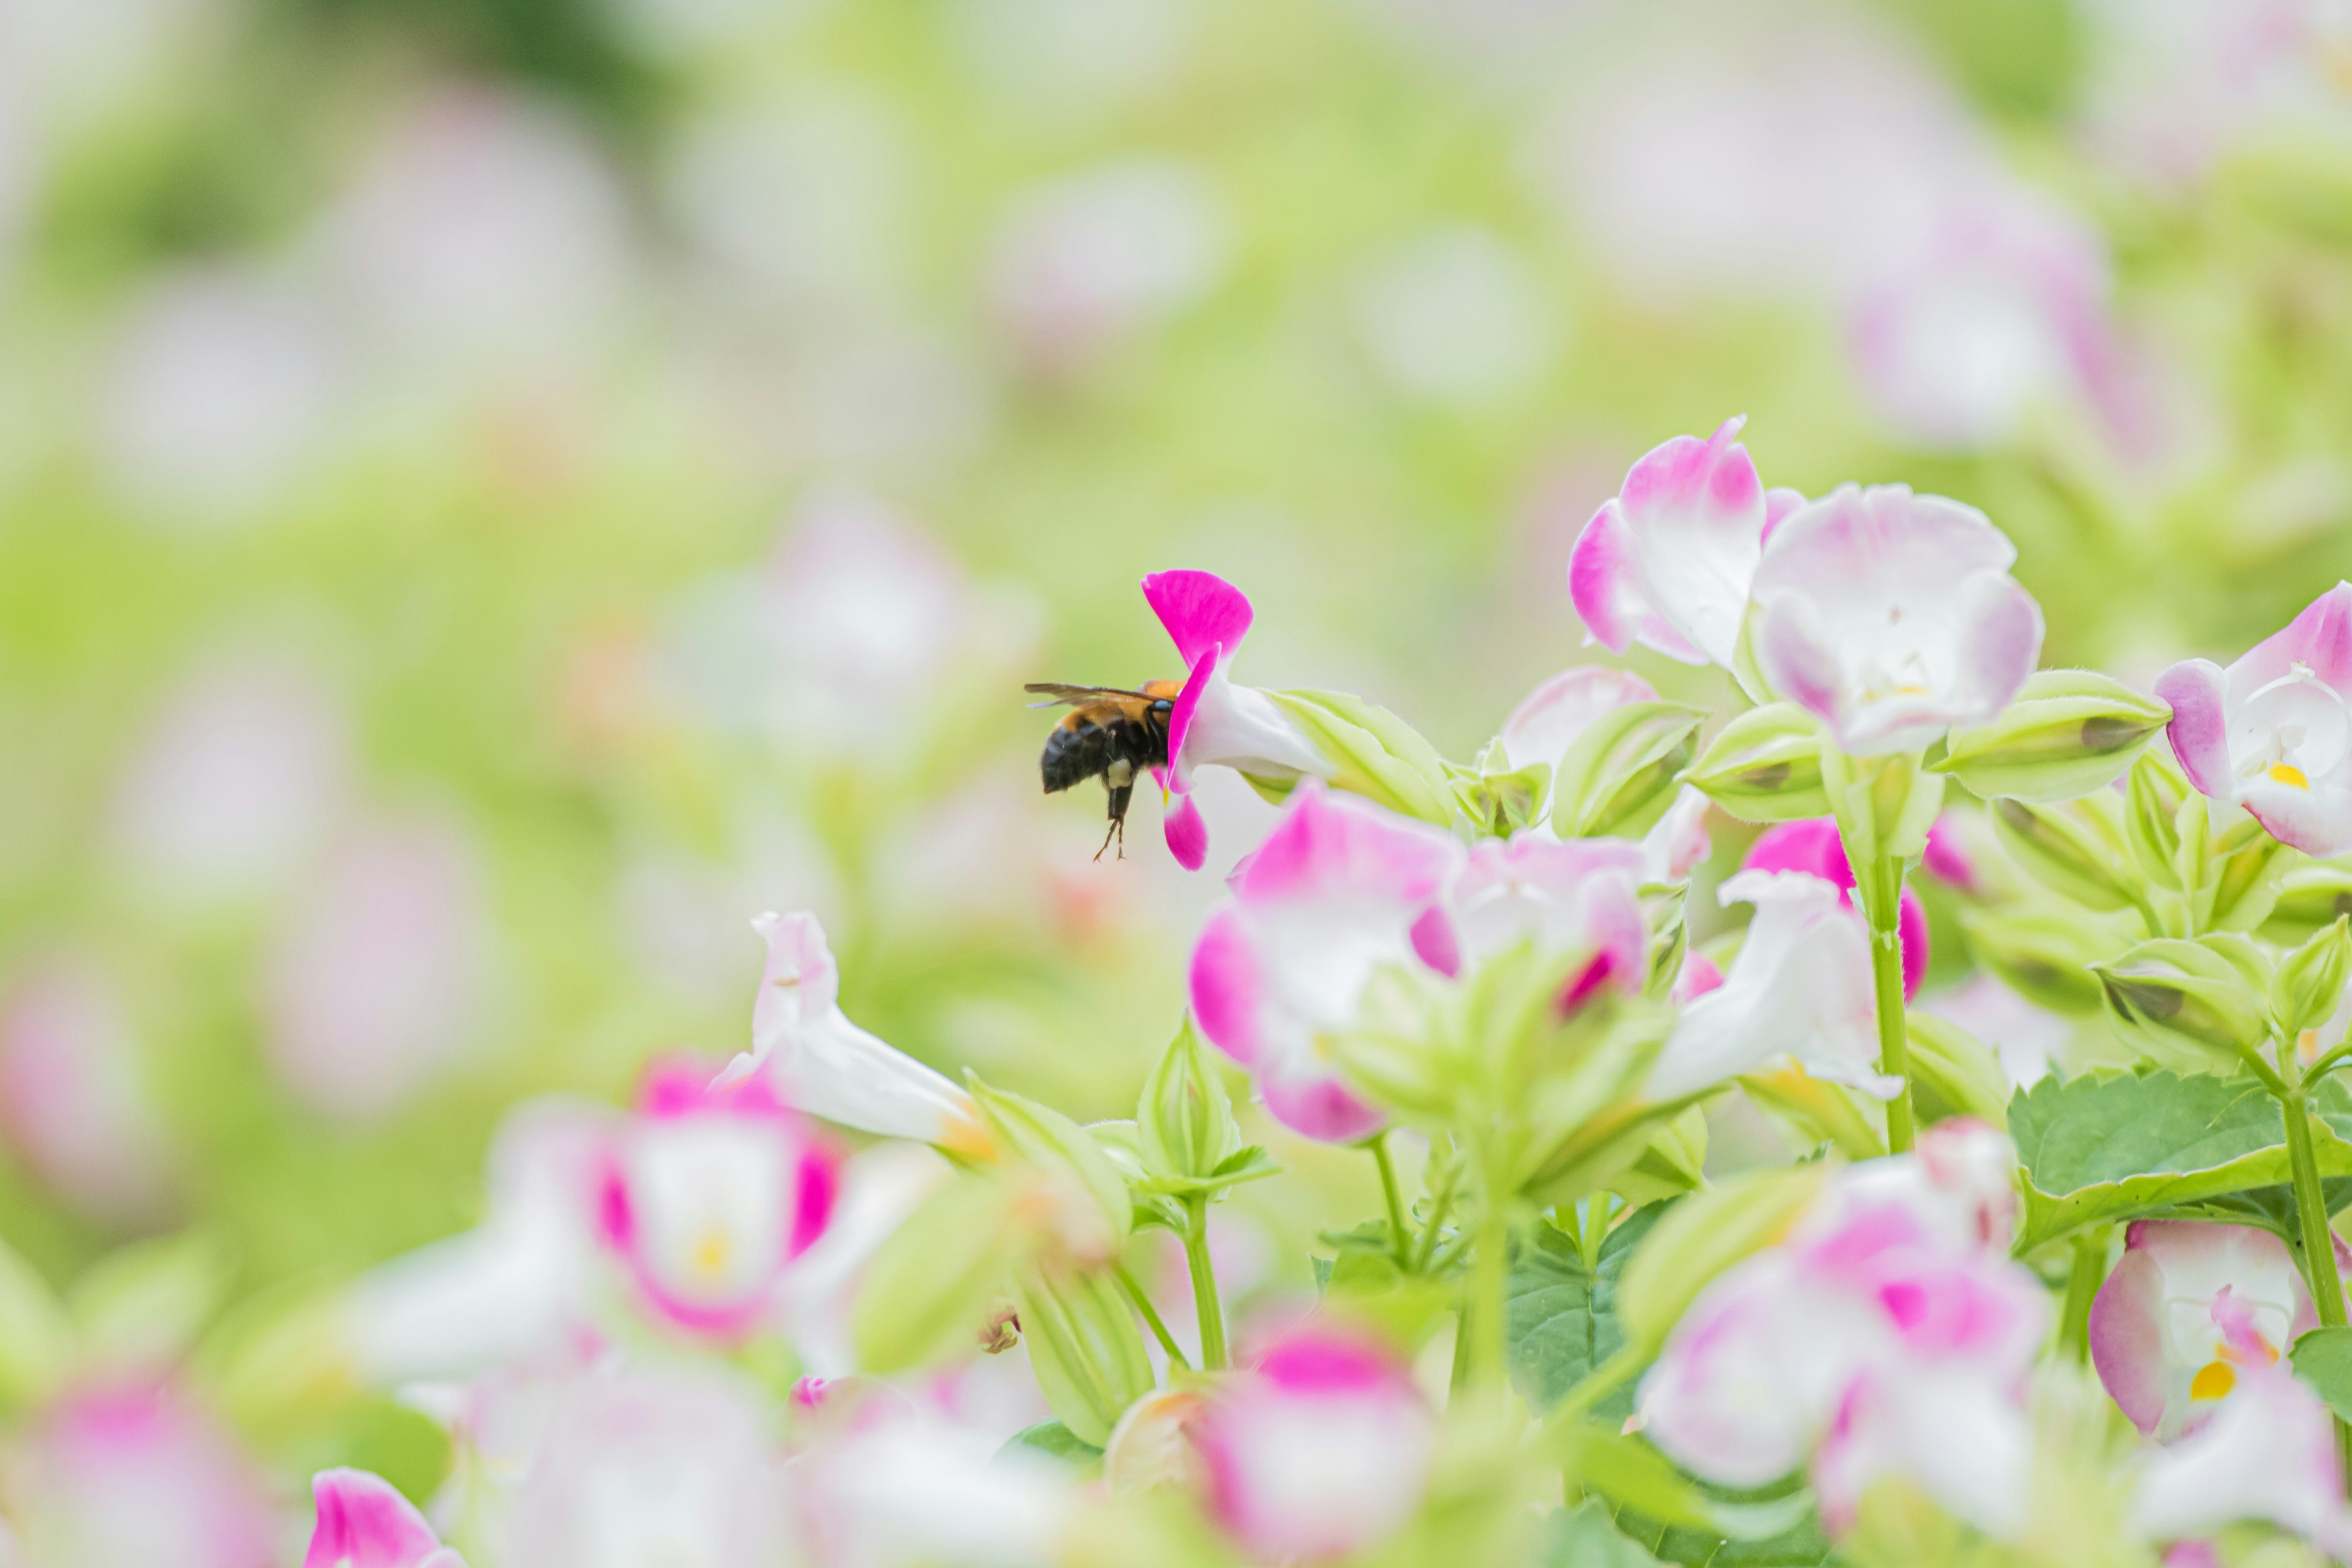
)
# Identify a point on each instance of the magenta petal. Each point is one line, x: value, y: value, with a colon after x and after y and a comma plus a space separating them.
x: 1319, y: 1107
x: 1180, y: 716
x: 364, y: 1523
x: 1911, y: 922
x: 817, y: 1186
x: 1946, y: 859
x: 2197, y: 688
x: 2320, y: 637
x: 1228, y: 991
x: 1700, y: 974
x: 1779, y: 502
x: 1599, y: 580
x: 1327, y: 847
x: 1435, y: 942
x: 1200, y: 610
x: 1187, y: 835
x: 1811, y: 846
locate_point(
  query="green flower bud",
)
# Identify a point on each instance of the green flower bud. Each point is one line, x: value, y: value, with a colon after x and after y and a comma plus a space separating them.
x: 1083, y: 1347
x: 1373, y: 753
x: 1883, y: 806
x: 2069, y: 849
x: 1671, y: 1163
x: 1704, y: 1235
x: 2151, y: 805
x: 2069, y: 732
x: 2045, y: 956
x: 1765, y: 765
x: 1620, y: 776
x: 1039, y: 1136
x: 2176, y: 999
x: 2309, y: 984
x: 2246, y: 883
x: 1953, y: 1073
x: 927, y: 1291
x: 2310, y: 897
x: 1184, y: 1121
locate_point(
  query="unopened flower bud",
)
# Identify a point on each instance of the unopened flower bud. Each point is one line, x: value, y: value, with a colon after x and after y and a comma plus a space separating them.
x: 2069, y: 732
x: 1619, y: 776
x: 1765, y: 765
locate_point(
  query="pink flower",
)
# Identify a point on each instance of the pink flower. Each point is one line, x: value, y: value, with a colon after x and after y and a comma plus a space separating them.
x: 1215, y: 722
x: 709, y: 1193
x: 1889, y: 1336
x: 1893, y: 617
x: 2271, y: 732
x: 364, y: 1523
x: 1812, y: 846
x: 1581, y: 897
x: 132, y: 1477
x: 1799, y: 986
x: 1667, y: 563
x: 2188, y: 1309
x: 1323, y: 1449
x: 1947, y: 858
x: 2268, y: 1454
x: 1339, y: 889
x: 75, y: 1102
x: 821, y: 1063
x: 1549, y: 721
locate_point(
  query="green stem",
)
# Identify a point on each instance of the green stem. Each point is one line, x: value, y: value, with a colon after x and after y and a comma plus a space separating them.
x: 1592, y: 1228
x: 2083, y: 1282
x: 1886, y: 974
x: 1483, y: 1310
x: 1440, y: 1207
x: 1398, y: 1245
x: 1204, y: 1283
x: 2318, y: 1239
x: 1599, y: 1384
x: 1151, y: 1318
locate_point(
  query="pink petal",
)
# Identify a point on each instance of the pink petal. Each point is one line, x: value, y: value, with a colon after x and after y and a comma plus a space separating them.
x: 1187, y: 834
x: 1700, y: 975
x: 2199, y: 731
x: 1200, y: 610
x: 2320, y: 637
x: 2317, y: 821
x: 1325, y: 846
x: 1543, y: 727
x: 1319, y: 1361
x: 1811, y: 846
x: 817, y: 1188
x: 1796, y: 659
x: 364, y: 1523
x: 1435, y: 942
x: 1947, y: 858
x: 1601, y: 580
x: 1179, y: 716
x: 1911, y: 923
x: 2001, y: 645
x: 1779, y: 502
x: 1320, y: 1107
x: 1228, y: 991
x: 1714, y: 475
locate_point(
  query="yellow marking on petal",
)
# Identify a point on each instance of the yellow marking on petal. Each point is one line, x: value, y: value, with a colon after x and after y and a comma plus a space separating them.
x: 711, y: 1253
x: 965, y: 1134
x: 2213, y: 1380
x: 2288, y: 774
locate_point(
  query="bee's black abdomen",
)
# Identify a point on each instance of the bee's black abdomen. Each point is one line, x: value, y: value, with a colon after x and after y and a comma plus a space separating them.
x: 1082, y: 748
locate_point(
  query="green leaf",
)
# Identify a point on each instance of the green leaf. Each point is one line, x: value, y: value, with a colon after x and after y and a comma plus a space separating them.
x: 1561, y: 1320
x: 1800, y: 1544
x: 2100, y: 1148
x: 1645, y: 1483
x: 1586, y: 1537
x: 1057, y: 1442
x: 2322, y: 1358
x: 1703, y: 1236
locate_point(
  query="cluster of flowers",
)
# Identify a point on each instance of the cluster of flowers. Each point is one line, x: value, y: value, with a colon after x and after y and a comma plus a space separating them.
x: 1497, y: 959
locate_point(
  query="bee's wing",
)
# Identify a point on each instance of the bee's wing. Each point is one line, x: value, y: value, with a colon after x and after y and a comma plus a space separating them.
x: 1054, y: 692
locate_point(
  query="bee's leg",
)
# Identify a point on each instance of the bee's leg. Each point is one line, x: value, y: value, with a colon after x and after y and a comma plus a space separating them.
x: 1119, y: 796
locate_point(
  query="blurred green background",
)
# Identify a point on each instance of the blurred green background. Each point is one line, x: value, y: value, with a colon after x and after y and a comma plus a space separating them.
x: 493, y: 493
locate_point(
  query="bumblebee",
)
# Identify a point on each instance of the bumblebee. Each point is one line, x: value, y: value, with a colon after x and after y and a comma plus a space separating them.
x: 1109, y: 733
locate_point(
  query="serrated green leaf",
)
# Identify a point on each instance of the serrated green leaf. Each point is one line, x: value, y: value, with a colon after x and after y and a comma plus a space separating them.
x: 2322, y: 1358
x: 1562, y: 1321
x: 2097, y: 1149
x: 1586, y: 1537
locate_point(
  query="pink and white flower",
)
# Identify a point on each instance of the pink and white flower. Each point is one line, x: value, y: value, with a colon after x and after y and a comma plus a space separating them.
x: 2272, y: 732
x: 1893, y: 617
x: 1581, y: 897
x: 1321, y: 1450
x: 129, y: 1478
x: 1544, y: 727
x: 1799, y: 986
x: 363, y: 1522
x: 1668, y: 561
x: 710, y: 1192
x: 1812, y: 846
x: 821, y: 1063
x: 2186, y: 1311
x: 1215, y: 722
x: 1339, y: 889
x: 1890, y: 1335
x: 76, y: 1104
x: 2268, y: 1454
